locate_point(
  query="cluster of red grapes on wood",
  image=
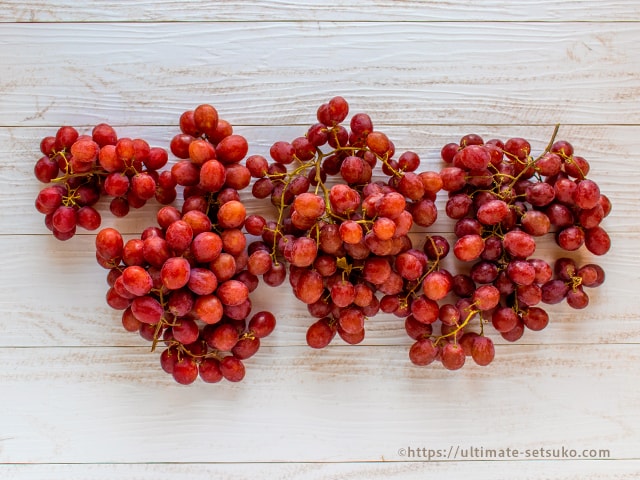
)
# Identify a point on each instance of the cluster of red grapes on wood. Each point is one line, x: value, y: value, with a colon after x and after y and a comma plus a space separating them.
x: 344, y: 236
x: 345, y: 233
x: 347, y: 241
x: 502, y: 199
x: 82, y: 168
x: 184, y: 284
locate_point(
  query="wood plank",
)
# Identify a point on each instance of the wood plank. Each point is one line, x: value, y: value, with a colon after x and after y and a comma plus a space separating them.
x: 105, y: 405
x: 81, y: 398
x: 414, y: 73
x: 316, y: 10
x: 518, y: 470
x: 611, y: 151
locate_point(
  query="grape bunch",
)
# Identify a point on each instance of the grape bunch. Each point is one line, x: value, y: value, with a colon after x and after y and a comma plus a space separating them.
x: 343, y: 236
x: 502, y: 200
x: 178, y: 287
x: 82, y: 168
x: 347, y: 212
x: 185, y: 284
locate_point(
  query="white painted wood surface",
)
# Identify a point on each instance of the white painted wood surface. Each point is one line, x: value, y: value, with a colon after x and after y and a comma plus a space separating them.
x: 80, y: 398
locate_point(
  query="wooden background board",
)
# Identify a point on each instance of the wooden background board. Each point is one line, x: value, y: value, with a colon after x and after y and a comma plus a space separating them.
x: 81, y: 398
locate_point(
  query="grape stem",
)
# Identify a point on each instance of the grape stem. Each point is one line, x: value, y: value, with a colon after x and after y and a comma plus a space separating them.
x: 575, y: 282
x: 459, y: 327
x: 551, y: 141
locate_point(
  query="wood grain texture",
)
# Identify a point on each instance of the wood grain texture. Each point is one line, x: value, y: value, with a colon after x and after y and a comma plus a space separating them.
x: 413, y: 73
x: 302, y: 405
x: 83, y: 399
x: 521, y: 470
x: 318, y: 10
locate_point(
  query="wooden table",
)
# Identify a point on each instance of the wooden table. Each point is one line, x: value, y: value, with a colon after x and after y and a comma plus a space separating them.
x: 81, y: 398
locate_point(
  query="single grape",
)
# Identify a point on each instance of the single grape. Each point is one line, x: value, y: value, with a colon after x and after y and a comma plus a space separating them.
x: 423, y: 352
x: 453, y: 357
x: 482, y: 350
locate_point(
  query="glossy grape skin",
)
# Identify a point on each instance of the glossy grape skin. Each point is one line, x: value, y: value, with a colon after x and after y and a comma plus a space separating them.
x: 320, y: 333
x: 423, y: 352
x: 185, y: 371
x: 597, y: 240
x: 209, y: 370
x: 262, y: 324
x: 453, y: 357
x: 469, y: 247
x: 109, y: 244
x: 519, y: 244
x: 482, y: 350
x: 535, y: 318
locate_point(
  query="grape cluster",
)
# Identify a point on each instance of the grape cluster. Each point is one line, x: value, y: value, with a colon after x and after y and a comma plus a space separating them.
x: 502, y: 199
x: 346, y: 241
x: 184, y: 284
x: 81, y: 168
x: 343, y: 235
